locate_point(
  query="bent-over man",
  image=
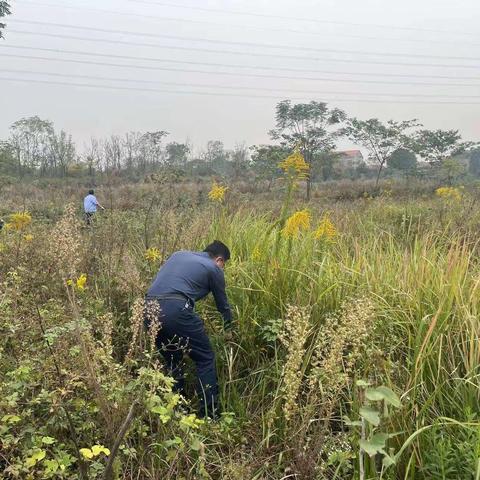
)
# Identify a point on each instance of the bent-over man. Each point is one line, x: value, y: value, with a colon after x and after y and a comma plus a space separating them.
x: 185, y: 278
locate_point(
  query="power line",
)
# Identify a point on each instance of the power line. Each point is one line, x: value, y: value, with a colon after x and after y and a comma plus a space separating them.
x: 235, y: 87
x: 219, y: 94
x: 243, y: 27
x: 152, y: 59
x: 290, y: 18
x: 241, y: 74
x: 242, y: 44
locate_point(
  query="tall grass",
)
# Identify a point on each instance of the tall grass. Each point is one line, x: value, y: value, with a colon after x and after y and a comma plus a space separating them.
x: 419, y: 273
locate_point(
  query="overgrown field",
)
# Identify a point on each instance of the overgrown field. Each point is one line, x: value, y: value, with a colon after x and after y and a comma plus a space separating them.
x: 356, y: 349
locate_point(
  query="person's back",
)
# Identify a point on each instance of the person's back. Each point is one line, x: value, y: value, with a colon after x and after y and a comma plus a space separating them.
x: 90, y: 203
x: 187, y: 273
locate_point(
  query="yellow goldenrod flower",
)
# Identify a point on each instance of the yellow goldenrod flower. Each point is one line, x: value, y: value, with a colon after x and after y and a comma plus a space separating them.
x: 152, y: 254
x: 296, y: 223
x: 19, y: 221
x: 28, y: 237
x: 217, y: 193
x: 326, y: 229
x: 81, y: 281
x: 449, y: 193
x: 295, y: 165
x: 70, y: 282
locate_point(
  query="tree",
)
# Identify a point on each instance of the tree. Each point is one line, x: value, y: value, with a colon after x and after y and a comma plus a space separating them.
x: 61, y: 152
x: 30, y: 141
x: 4, y: 11
x: 381, y: 140
x: 437, y: 145
x: 402, y: 159
x: 451, y: 169
x: 177, y: 154
x: 151, y: 149
x: 474, y: 163
x: 308, y: 127
x: 265, y: 160
x: 239, y: 160
x: 215, y: 156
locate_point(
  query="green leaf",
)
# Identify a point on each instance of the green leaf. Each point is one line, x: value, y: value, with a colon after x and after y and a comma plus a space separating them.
x: 48, y: 440
x: 351, y: 423
x: 196, y: 445
x: 373, y: 395
x: 390, y: 396
x: 38, y: 456
x: 388, y: 461
x: 371, y: 415
x: 11, y: 418
x: 383, y: 393
x: 375, y: 445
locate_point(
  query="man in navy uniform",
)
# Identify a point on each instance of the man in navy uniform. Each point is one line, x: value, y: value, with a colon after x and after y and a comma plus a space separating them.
x: 183, y: 279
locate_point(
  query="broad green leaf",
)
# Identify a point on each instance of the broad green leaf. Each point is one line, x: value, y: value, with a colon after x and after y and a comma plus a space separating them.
x: 388, y: 461
x: 48, y: 440
x: 11, y: 418
x: 383, y: 393
x: 196, y: 445
x: 374, y: 395
x: 51, y: 466
x: 35, y: 458
x: 371, y: 415
x: 390, y: 396
x: 375, y: 445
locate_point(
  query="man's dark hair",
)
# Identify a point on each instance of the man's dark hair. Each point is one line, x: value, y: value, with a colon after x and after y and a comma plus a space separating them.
x: 218, y: 249
x: 91, y: 192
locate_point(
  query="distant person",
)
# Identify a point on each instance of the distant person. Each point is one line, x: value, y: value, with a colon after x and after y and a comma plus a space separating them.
x: 90, y: 205
x: 183, y: 279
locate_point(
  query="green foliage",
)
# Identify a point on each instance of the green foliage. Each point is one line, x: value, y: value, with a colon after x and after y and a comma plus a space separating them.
x: 4, y: 11
x: 381, y: 140
x: 437, y: 145
x: 414, y: 259
x: 402, y: 159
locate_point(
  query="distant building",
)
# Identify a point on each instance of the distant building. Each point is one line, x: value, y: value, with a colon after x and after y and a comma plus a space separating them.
x: 349, y: 158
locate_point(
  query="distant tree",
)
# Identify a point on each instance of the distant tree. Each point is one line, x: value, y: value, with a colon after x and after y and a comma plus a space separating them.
x: 437, y: 145
x: 30, y: 140
x: 308, y: 127
x: 151, y: 151
x: 402, y: 159
x: 239, y: 160
x: 7, y: 160
x: 61, y: 151
x: 4, y: 11
x: 215, y: 156
x: 474, y: 163
x: 265, y: 160
x: 380, y: 139
x: 324, y: 165
x: 177, y: 154
x: 451, y: 169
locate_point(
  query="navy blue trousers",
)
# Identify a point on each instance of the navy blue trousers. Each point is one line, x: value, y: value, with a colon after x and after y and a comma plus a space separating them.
x: 182, y: 332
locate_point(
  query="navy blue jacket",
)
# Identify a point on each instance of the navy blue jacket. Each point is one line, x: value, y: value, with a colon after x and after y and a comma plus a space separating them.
x: 194, y: 275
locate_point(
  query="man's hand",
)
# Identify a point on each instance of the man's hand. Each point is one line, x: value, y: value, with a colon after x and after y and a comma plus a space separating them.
x: 228, y: 335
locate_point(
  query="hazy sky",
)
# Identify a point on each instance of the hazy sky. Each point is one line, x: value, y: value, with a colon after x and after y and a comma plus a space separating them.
x: 424, y: 54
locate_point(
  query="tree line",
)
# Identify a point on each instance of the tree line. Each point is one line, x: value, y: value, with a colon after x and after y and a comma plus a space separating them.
x: 35, y: 148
